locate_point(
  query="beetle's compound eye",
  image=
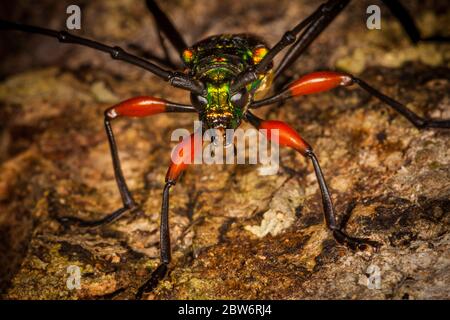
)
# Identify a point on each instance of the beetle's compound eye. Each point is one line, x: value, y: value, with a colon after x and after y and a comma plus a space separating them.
x: 240, y: 99
x: 187, y: 56
x: 258, y: 54
x: 199, y: 102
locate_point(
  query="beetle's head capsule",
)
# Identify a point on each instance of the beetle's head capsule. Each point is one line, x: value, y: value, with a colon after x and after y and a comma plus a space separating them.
x: 218, y: 108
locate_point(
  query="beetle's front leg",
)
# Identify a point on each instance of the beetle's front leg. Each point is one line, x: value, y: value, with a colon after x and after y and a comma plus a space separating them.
x: 183, y: 154
x: 135, y: 107
x: 287, y: 136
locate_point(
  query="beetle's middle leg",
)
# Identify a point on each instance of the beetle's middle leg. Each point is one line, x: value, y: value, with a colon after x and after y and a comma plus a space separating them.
x: 167, y: 29
x: 135, y: 107
x: 290, y: 138
x: 316, y: 82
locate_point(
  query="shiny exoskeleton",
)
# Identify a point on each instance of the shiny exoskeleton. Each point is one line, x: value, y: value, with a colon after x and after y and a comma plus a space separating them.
x: 215, y: 62
x: 227, y: 76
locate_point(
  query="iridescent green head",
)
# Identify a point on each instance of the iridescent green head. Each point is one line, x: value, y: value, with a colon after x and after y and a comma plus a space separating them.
x: 216, y: 62
x: 218, y: 108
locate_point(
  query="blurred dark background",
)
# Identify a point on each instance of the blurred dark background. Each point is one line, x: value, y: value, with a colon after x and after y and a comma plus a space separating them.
x: 128, y: 22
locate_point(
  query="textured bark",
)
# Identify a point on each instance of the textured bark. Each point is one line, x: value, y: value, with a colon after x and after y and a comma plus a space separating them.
x: 235, y: 233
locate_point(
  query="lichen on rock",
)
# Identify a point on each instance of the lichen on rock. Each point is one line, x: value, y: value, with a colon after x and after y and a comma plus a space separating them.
x: 236, y: 233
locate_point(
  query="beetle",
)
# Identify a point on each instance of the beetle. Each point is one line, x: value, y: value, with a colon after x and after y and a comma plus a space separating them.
x: 225, y: 76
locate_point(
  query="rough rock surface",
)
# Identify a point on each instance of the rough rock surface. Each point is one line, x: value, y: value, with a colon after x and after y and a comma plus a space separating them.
x: 235, y: 233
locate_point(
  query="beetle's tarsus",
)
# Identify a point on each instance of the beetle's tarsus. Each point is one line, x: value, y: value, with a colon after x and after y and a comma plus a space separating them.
x: 356, y: 244
x: 431, y: 124
x: 157, y: 275
x: 68, y: 221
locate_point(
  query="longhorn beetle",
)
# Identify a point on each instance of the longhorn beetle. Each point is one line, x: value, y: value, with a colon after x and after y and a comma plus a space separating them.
x: 223, y: 74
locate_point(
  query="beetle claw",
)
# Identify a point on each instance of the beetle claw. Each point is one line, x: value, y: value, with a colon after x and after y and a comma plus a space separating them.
x: 157, y: 275
x: 68, y: 221
x: 356, y: 244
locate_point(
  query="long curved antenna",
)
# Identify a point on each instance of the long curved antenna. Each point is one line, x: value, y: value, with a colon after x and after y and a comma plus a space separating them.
x: 314, y: 24
x: 304, y: 40
x: 176, y: 79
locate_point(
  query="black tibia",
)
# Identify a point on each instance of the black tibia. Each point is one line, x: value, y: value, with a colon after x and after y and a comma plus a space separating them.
x: 166, y: 26
x: 68, y: 221
x: 314, y: 25
x: 164, y: 227
x: 163, y: 62
x: 127, y: 199
x: 416, y: 120
x: 419, y: 122
x: 326, y: 196
x: 176, y: 79
x: 328, y: 208
x: 330, y: 216
x: 125, y: 193
x: 165, y: 255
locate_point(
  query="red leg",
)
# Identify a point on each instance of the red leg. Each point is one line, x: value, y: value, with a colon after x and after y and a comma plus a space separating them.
x: 314, y: 82
x: 135, y: 107
x: 326, y: 80
x: 183, y: 155
x: 290, y: 138
x: 318, y: 82
x: 145, y: 106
